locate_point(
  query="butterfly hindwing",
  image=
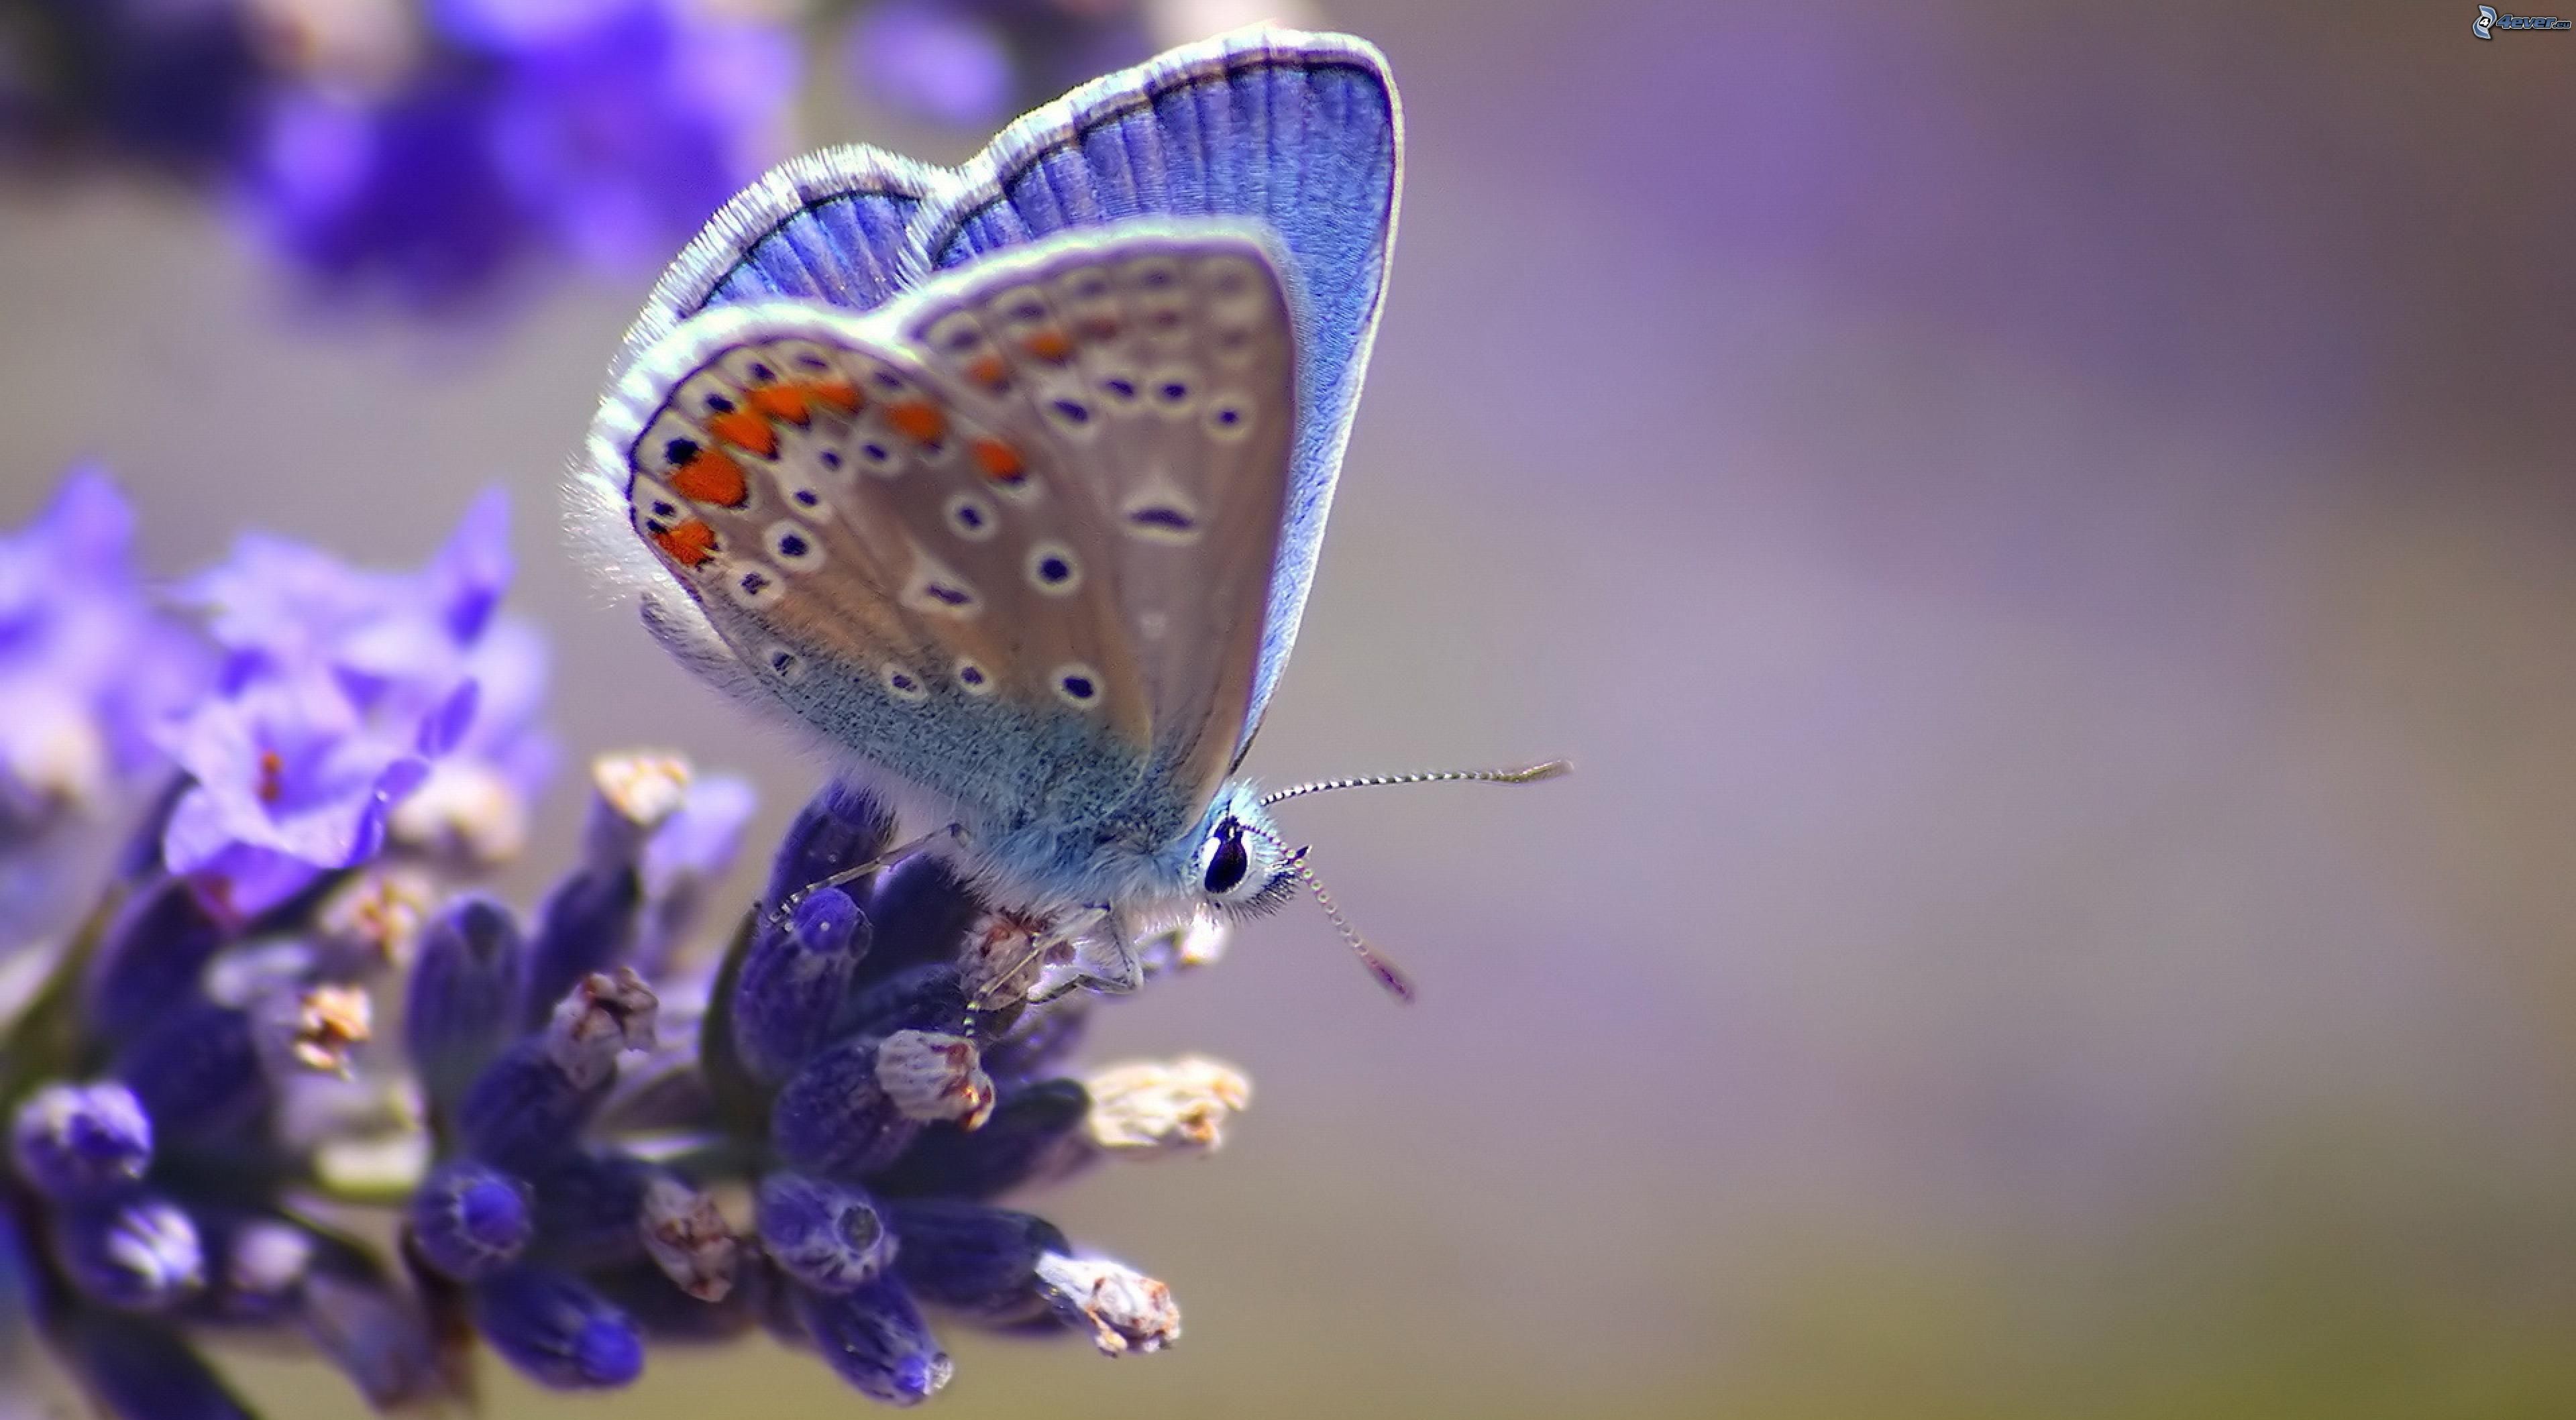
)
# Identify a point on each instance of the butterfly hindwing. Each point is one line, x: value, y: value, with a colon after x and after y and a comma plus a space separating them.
x: 1299, y: 131
x: 1153, y: 363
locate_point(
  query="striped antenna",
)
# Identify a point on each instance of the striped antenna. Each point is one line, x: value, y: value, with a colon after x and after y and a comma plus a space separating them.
x: 1533, y: 774
x: 1396, y: 982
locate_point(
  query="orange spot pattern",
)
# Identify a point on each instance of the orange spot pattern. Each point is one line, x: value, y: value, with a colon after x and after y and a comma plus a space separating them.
x: 987, y: 370
x: 1049, y: 344
x: 689, y: 543
x: 744, y: 430
x: 712, y: 477
x: 917, y: 420
x: 780, y: 402
x: 1000, y: 462
x: 1098, y: 327
x: 839, y: 394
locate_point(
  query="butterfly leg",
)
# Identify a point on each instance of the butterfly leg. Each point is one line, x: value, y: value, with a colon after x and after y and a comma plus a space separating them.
x: 1101, y: 961
x: 884, y: 860
x: 1124, y: 974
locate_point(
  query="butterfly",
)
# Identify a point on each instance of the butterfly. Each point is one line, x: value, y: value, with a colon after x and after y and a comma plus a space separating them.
x: 1009, y: 480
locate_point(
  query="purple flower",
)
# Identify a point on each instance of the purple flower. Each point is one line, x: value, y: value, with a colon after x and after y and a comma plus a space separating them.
x: 621, y: 126
x: 87, y: 666
x: 606, y: 130
x: 934, y: 60
x: 289, y: 782
x: 75, y: 1141
x: 351, y: 689
x: 277, y: 606
x: 557, y: 1331
x: 401, y: 194
x: 968, y: 63
x: 469, y: 1220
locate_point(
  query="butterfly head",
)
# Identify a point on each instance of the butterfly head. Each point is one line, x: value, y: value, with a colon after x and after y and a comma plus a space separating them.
x: 1241, y: 867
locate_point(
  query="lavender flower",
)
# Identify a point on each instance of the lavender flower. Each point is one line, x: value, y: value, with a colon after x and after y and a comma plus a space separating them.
x: 88, y: 670
x: 620, y: 124
x: 288, y: 782
x: 940, y: 61
x: 605, y: 130
x: 199, y: 1071
x: 969, y: 63
x: 349, y: 690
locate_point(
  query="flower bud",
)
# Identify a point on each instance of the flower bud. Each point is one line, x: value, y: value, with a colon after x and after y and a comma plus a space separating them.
x: 78, y: 1141
x: 687, y: 1236
x: 1039, y: 1042
x: 140, y: 1254
x: 977, y: 1259
x: 590, y: 1209
x: 464, y: 993
x: 371, y: 1329
x: 1159, y: 1108
x: 151, y: 957
x: 875, y: 1339
x: 923, y: 910
x: 586, y: 926
x: 1035, y: 1135
x: 198, y: 1074
x: 840, y: 828
x: 527, y: 1110
x: 256, y: 1268
x: 934, y: 1077
x: 931, y: 997
x: 470, y: 1220
x: 1126, y: 1310
x: 557, y: 1331
x: 825, y: 1235
x: 834, y: 1118
x: 792, y: 980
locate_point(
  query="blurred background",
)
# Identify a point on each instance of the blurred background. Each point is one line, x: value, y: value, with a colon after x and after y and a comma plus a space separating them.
x: 2049, y: 531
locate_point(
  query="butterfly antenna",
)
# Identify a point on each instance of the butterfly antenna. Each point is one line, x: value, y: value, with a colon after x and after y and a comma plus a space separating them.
x: 1533, y: 774
x: 1294, y: 859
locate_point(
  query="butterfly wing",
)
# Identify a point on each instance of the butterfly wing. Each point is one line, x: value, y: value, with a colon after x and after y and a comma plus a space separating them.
x: 1301, y: 131
x: 827, y: 226
x: 1154, y: 362
x: 943, y: 536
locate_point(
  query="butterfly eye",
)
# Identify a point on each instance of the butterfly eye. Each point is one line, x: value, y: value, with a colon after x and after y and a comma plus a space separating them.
x: 1230, y: 862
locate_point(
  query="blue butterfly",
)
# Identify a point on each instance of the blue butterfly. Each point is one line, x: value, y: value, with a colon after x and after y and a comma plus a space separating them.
x: 1010, y: 479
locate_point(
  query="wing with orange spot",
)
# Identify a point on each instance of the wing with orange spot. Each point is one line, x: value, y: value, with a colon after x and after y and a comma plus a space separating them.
x: 1149, y: 371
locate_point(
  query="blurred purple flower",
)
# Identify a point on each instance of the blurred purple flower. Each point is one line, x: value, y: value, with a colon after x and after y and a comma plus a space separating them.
x: 173, y: 82
x: 937, y: 60
x: 402, y: 192
x: 347, y: 690
x: 290, y: 783
x: 603, y: 129
x: 627, y: 122
x: 969, y: 63
x: 87, y: 666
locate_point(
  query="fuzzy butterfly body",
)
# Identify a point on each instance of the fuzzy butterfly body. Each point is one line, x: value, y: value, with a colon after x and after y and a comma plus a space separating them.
x: 1009, y: 480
